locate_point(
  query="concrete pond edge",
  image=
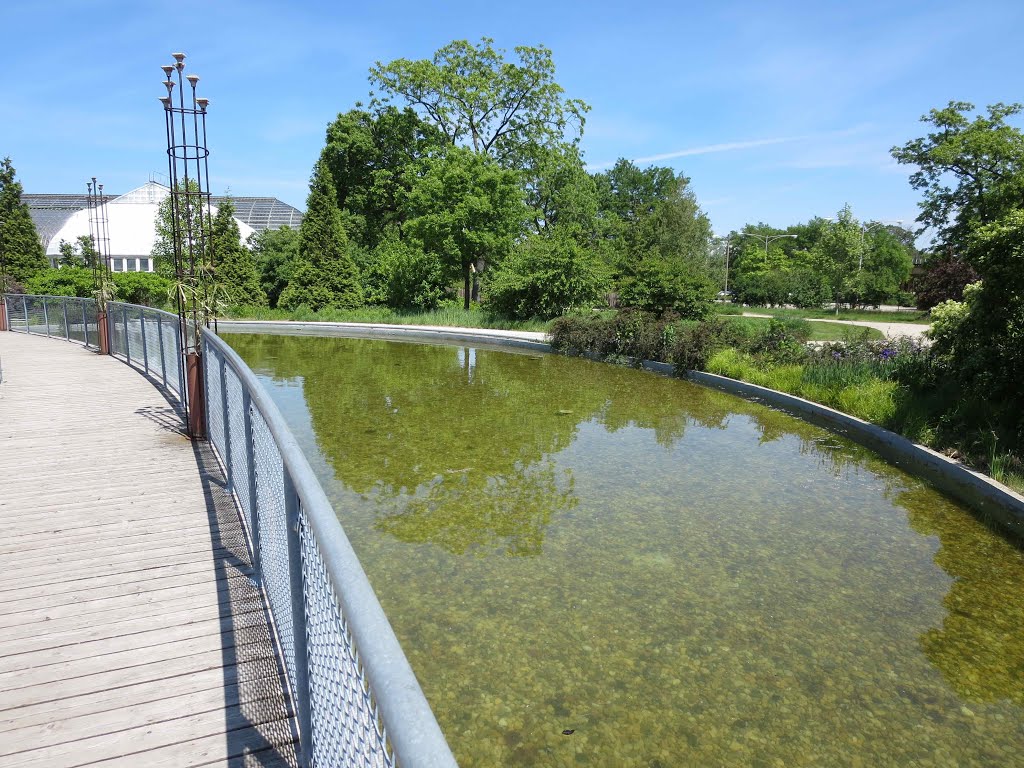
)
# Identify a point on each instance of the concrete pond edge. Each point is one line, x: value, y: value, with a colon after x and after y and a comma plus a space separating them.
x: 996, y: 503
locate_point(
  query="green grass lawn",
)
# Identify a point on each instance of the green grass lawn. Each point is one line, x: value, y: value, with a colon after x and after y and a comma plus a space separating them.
x: 871, y: 315
x: 445, y: 316
x: 819, y: 331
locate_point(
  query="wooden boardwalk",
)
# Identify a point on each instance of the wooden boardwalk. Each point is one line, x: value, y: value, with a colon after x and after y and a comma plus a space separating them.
x: 130, y: 631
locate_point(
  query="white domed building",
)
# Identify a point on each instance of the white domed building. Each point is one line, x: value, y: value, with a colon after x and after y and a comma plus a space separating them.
x: 131, y: 221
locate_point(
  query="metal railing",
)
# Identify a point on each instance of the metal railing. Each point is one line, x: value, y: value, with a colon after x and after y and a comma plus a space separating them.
x: 359, y: 703
x: 62, y: 317
x: 150, y: 340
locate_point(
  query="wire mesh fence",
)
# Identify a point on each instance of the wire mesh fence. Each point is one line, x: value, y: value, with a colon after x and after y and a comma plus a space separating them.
x: 149, y: 340
x: 357, y: 700
x: 62, y: 317
x: 356, y: 697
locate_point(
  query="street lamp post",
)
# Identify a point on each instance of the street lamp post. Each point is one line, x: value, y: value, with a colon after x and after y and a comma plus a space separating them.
x: 863, y: 237
x: 766, y: 238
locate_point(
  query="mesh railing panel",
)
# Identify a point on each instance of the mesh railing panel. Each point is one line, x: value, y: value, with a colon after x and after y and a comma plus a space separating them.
x: 237, y: 438
x: 62, y: 317
x: 15, y: 314
x: 214, y: 407
x: 118, y: 336
x: 36, y: 315
x: 92, y: 323
x: 338, y: 717
x: 135, y: 347
x: 77, y: 319
x: 55, y: 317
x: 172, y: 356
x: 151, y: 330
x: 273, y: 536
x: 345, y: 722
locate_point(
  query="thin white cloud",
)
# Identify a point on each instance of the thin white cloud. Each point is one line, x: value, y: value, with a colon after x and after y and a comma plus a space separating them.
x: 732, y: 146
x: 705, y: 150
x: 712, y: 148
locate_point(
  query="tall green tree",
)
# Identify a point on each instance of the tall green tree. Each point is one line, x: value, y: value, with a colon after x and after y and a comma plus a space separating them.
x: 21, y: 252
x: 193, y: 218
x: 467, y: 210
x: 652, y: 210
x: 970, y: 171
x: 477, y: 98
x: 372, y: 159
x: 560, y: 192
x: 235, y: 270
x: 885, y: 268
x: 838, y: 254
x: 657, y: 238
x: 276, y: 252
x: 325, y: 275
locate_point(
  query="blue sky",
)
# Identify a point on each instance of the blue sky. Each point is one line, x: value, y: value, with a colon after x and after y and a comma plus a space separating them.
x: 778, y: 112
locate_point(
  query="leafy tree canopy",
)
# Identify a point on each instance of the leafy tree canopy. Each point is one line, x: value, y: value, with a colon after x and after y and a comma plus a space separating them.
x: 371, y: 157
x: 971, y: 172
x: 236, y: 266
x: 276, y: 251
x: 467, y: 210
x: 21, y: 252
x: 476, y: 98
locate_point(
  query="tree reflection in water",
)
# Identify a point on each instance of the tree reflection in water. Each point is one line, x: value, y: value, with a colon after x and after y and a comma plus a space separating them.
x: 456, y: 449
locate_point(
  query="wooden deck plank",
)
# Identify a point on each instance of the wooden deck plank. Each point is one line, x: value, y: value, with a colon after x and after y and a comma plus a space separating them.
x: 107, y: 584
x: 201, y: 590
x: 245, y: 674
x: 131, y: 632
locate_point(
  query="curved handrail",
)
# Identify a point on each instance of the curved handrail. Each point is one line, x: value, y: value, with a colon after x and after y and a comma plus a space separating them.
x: 412, y: 730
x: 325, y: 601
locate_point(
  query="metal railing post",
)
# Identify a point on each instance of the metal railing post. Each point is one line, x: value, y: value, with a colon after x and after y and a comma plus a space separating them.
x: 160, y: 341
x: 298, y: 600
x: 145, y: 346
x: 226, y: 431
x: 127, y: 344
x: 67, y: 330
x: 250, y: 463
x: 24, y: 308
x: 85, y: 325
x: 46, y: 318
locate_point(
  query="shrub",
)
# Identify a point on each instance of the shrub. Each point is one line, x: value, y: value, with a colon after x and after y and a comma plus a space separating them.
x: 146, y: 288
x: 66, y: 281
x: 782, y: 341
x: 547, y: 276
x: 692, y: 344
x: 657, y: 287
x: 401, y: 275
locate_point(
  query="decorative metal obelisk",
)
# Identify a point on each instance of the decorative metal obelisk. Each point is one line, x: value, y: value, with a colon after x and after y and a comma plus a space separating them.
x: 191, y: 227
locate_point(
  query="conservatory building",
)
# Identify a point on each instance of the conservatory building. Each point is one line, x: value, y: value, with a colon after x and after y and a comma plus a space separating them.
x: 131, y: 221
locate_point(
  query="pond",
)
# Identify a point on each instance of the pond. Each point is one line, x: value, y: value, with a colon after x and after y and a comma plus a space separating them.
x: 589, y: 565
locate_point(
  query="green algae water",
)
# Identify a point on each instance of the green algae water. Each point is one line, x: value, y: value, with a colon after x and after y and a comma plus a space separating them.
x: 594, y: 566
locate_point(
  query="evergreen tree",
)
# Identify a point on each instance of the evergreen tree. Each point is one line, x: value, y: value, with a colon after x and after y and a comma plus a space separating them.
x: 326, y: 275
x: 21, y: 253
x: 235, y: 264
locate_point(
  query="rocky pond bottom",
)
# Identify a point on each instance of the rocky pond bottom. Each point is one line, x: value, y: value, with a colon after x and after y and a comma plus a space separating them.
x: 593, y: 566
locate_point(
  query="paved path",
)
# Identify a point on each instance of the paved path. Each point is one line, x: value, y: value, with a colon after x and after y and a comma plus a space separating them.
x: 889, y: 330
x: 381, y: 330
x: 130, y: 631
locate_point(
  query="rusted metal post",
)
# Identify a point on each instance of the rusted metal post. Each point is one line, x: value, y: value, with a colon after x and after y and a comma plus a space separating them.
x: 196, y: 396
x: 3, y: 313
x: 103, y: 332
